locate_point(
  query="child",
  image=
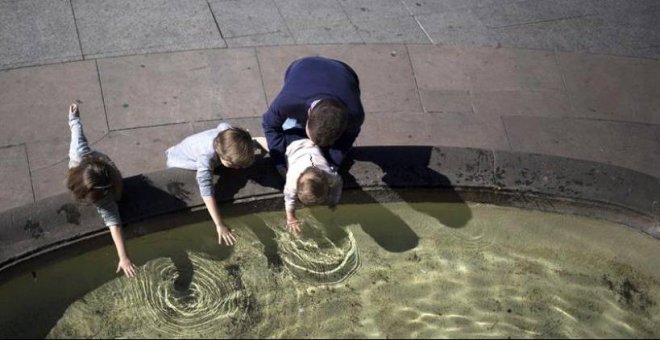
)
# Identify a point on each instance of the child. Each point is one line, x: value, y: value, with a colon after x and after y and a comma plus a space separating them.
x: 94, y: 178
x: 226, y: 145
x: 310, y: 179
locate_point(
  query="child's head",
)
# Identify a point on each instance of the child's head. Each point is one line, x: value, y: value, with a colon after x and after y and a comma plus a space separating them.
x: 94, y: 179
x: 313, y: 186
x: 326, y: 122
x: 234, y: 147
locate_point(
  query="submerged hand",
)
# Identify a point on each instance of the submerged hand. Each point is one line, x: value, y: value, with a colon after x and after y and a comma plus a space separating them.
x: 127, y: 266
x: 293, y: 225
x: 225, y: 234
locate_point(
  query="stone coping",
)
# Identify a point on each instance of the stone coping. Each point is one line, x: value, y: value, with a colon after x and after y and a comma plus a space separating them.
x: 371, y: 174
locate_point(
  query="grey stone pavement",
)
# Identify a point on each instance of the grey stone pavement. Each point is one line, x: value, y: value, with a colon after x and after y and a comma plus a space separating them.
x: 572, y: 78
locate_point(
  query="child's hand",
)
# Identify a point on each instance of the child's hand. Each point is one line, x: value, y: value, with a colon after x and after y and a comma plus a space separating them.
x: 127, y: 266
x: 225, y: 234
x: 73, y: 110
x: 293, y: 225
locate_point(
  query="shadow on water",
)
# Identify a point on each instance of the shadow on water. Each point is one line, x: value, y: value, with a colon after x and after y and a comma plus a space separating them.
x: 397, y: 168
x: 263, y: 173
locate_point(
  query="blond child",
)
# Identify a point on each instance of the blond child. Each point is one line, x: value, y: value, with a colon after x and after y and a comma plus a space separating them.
x: 94, y: 179
x: 310, y: 179
x: 225, y: 145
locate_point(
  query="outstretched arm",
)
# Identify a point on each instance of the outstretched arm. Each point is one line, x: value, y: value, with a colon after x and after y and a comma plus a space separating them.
x: 205, y: 182
x: 224, y: 233
x: 79, y: 146
x: 125, y: 263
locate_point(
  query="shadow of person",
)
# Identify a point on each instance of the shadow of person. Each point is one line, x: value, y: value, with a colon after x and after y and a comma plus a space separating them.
x: 399, y: 168
x: 408, y: 167
x: 267, y: 237
x: 141, y: 194
x: 239, y: 183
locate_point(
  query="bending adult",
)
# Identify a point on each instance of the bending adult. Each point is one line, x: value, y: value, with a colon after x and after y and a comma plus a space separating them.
x: 322, y: 96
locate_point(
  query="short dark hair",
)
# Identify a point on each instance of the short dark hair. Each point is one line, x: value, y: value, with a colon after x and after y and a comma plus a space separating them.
x: 235, y: 145
x: 313, y: 186
x: 327, y: 121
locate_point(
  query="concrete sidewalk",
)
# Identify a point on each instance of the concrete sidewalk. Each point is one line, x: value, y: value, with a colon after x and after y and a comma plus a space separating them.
x: 561, y: 101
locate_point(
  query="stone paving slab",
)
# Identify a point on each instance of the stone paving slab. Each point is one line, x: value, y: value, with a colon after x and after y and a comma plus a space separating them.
x: 391, y: 91
x: 450, y: 78
x: 34, y: 32
x: 15, y: 175
x: 250, y: 23
x: 392, y: 30
x: 462, y: 28
x: 134, y: 27
x: 134, y: 151
x: 448, y: 129
x: 34, y: 102
x: 318, y: 22
x: 616, y: 88
x: 181, y: 87
x: 550, y: 103
x: 630, y: 145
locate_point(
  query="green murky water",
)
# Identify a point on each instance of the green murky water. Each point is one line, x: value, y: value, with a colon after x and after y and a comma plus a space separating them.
x: 392, y: 270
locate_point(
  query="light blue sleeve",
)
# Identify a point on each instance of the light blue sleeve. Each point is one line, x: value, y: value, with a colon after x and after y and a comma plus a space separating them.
x: 109, y: 211
x: 205, y: 177
x: 79, y: 146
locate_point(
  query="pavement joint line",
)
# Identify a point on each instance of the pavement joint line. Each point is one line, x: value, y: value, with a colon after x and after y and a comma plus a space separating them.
x: 261, y: 77
x: 592, y: 119
x: 153, y: 126
x: 506, y: 132
x: 541, y: 21
x: 27, y: 158
x: 357, y: 29
x: 105, y: 111
x: 216, y: 21
x: 286, y: 24
x: 563, y: 81
x: 412, y: 69
x: 410, y: 12
x: 75, y: 23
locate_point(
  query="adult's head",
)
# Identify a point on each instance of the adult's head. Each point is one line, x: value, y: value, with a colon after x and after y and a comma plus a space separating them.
x: 327, y: 120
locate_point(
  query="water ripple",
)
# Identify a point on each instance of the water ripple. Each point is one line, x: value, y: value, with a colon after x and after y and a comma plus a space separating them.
x: 215, y: 303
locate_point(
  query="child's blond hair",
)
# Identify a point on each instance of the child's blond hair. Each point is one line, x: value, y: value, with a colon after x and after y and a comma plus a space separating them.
x: 313, y: 186
x: 235, y: 146
x: 93, y: 179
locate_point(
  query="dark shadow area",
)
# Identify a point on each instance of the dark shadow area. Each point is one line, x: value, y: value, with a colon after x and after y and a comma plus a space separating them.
x: 397, y: 168
x: 236, y: 183
x: 267, y: 237
x: 409, y: 166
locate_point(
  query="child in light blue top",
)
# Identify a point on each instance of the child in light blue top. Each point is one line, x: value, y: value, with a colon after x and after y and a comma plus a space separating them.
x: 94, y: 178
x: 230, y: 146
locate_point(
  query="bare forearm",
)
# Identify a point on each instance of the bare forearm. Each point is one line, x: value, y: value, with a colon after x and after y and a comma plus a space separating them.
x: 212, y: 207
x: 291, y: 215
x: 118, y: 239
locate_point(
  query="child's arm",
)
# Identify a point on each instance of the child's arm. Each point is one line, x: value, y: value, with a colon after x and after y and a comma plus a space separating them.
x: 125, y: 263
x: 205, y: 183
x: 79, y: 146
x: 292, y: 223
x: 224, y: 233
x: 109, y: 212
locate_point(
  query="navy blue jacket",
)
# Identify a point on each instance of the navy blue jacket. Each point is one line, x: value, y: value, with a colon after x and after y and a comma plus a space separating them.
x: 305, y: 81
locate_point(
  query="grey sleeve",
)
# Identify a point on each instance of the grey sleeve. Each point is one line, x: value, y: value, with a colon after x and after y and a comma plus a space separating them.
x: 204, y: 177
x: 79, y: 146
x: 109, y: 211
